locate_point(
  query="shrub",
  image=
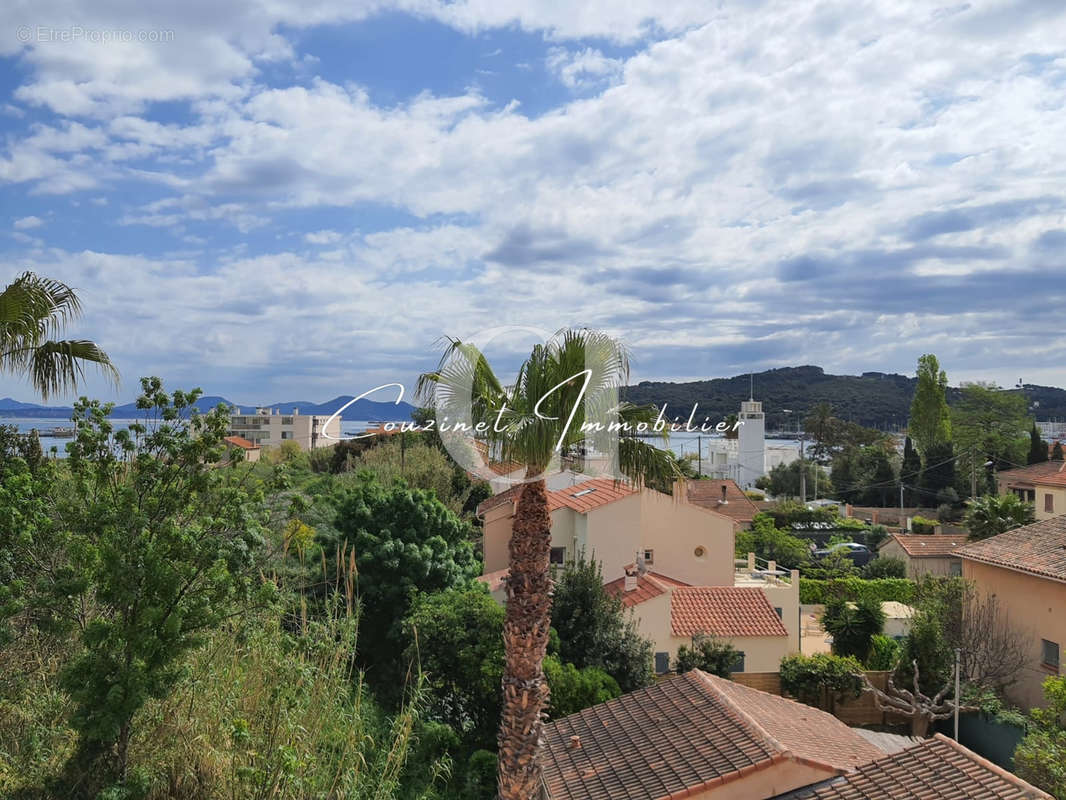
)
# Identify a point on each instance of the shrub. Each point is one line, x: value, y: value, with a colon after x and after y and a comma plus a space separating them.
x: 923, y: 525
x: 574, y: 689
x: 854, y: 589
x: 709, y: 654
x: 884, y: 653
x: 885, y: 568
x: 754, y: 495
x: 852, y: 625
x: 821, y: 677
x: 876, y: 535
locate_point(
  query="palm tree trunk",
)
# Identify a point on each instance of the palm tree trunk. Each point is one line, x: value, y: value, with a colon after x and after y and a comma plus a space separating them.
x: 525, y: 637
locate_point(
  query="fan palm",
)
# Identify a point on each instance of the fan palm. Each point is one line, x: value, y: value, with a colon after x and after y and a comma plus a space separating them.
x: 994, y: 514
x: 571, y: 380
x: 33, y: 309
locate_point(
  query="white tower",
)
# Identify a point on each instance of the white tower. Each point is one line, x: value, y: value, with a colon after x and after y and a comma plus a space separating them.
x: 751, y: 443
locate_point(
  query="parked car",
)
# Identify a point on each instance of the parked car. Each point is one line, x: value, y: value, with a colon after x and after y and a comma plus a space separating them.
x: 859, y: 554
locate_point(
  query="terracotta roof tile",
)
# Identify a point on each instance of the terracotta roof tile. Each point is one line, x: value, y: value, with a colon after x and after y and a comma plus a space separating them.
x: 1039, y: 548
x: 241, y: 442
x: 649, y: 585
x: 1032, y: 473
x: 806, y: 731
x: 582, y: 497
x: 928, y: 546
x: 936, y: 769
x: 723, y: 611
x: 687, y: 733
x: 494, y: 580
x: 708, y: 494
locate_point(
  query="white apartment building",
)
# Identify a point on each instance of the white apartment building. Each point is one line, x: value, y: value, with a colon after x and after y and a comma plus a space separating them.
x: 268, y: 428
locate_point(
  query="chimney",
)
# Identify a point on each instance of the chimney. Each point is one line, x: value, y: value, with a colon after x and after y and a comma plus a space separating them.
x: 575, y: 742
x: 723, y: 501
x: 630, y: 584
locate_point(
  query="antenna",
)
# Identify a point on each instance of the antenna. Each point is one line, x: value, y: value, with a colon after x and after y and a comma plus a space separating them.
x: 751, y: 394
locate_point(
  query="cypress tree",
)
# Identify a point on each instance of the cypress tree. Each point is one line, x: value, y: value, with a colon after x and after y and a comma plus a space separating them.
x: 1037, y: 447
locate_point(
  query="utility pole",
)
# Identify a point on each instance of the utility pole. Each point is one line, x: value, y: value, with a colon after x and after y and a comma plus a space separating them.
x: 973, y: 473
x: 902, y: 520
x: 699, y: 455
x: 957, y: 653
x: 803, y: 473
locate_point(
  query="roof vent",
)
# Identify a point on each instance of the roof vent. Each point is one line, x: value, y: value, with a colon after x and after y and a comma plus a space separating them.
x: 723, y: 501
x: 575, y: 742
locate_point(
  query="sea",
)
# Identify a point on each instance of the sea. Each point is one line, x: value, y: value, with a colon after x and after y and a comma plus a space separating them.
x: 681, y: 442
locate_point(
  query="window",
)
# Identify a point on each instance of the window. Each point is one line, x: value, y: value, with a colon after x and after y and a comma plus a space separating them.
x: 288, y: 435
x: 649, y: 556
x: 956, y: 568
x: 778, y: 610
x: 738, y: 666
x: 286, y: 420
x: 662, y: 663
x: 1049, y: 503
x: 1050, y: 656
x: 558, y: 555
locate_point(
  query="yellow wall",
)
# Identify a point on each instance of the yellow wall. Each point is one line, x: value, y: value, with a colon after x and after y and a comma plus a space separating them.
x: 1058, y: 496
x: 674, y: 529
x: 1035, y: 606
x: 779, y: 778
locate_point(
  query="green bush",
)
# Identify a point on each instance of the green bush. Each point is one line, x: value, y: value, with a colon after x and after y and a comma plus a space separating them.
x: 923, y: 525
x: 574, y: 689
x: 852, y: 625
x: 821, y: 677
x: 854, y: 589
x: 885, y: 568
x: 884, y: 653
x: 709, y: 654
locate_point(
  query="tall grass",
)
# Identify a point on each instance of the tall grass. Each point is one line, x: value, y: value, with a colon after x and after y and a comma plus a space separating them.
x: 260, y: 713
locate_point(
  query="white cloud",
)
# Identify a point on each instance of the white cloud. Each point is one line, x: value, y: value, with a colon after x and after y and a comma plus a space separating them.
x: 322, y: 237
x: 585, y: 69
x: 25, y: 223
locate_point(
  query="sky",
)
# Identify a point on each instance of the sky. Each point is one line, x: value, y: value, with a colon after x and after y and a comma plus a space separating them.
x: 281, y: 199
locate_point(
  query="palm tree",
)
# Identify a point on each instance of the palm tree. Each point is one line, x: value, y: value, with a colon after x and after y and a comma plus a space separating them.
x: 516, y: 433
x: 32, y: 309
x: 994, y: 514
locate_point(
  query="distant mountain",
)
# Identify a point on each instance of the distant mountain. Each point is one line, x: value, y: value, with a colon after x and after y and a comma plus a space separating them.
x: 875, y: 399
x: 11, y: 404
x: 362, y: 409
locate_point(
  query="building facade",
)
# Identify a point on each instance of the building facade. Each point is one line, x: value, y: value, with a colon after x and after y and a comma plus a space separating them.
x: 269, y: 428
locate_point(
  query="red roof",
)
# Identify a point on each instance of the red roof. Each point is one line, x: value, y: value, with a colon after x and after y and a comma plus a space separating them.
x: 1041, y: 472
x: 494, y: 580
x: 241, y: 442
x: 726, y: 611
x: 708, y: 494
x: 687, y: 735
x: 649, y: 585
x: 927, y: 545
x: 1039, y: 549
x: 936, y: 769
x: 582, y: 497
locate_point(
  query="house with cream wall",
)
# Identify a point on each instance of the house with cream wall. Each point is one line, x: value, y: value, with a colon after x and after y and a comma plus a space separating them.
x: 1025, y: 570
x: 924, y: 554
x: 614, y: 523
x: 267, y: 427
x: 1042, y: 484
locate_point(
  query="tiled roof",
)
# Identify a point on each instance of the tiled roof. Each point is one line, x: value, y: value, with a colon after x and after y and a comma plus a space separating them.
x: 723, y: 611
x: 582, y: 497
x: 936, y: 769
x: 241, y: 442
x: 708, y: 494
x: 1039, y: 548
x: 806, y: 731
x: 1033, y: 473
x: 688, y: 734
x: 927, y: 546
x: 649, y: 585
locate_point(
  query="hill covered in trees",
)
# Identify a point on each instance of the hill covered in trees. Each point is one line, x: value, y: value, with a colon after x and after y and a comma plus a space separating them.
x: 874, y: 399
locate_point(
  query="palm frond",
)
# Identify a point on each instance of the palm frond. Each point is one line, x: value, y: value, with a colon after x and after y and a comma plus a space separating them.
x: 56, y: 367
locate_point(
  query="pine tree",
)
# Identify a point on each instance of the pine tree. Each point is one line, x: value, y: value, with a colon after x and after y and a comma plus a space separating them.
x: 1037, y: 447
x: 910, y: 471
